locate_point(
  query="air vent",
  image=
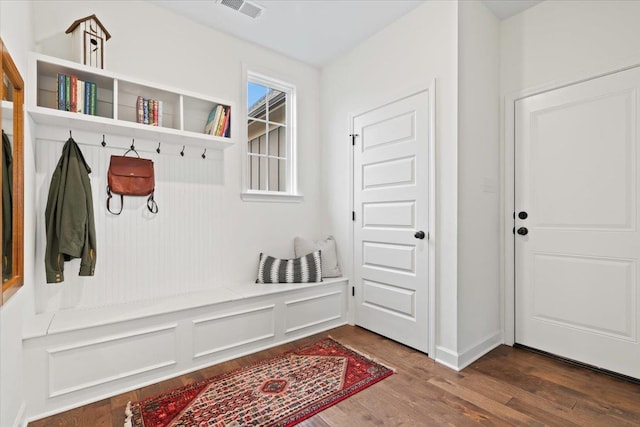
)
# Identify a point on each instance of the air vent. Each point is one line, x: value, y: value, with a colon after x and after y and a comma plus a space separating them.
x: 248, y: 8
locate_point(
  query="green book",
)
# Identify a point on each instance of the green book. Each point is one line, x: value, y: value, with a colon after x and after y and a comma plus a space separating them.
x: 94, y: 98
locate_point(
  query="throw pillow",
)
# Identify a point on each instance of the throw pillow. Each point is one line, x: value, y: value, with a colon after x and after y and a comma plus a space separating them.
x: 300, y: 270
x: 330, y: 266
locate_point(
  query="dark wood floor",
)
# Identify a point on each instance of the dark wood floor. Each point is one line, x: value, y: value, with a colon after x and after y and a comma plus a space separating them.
x: 506, y: 387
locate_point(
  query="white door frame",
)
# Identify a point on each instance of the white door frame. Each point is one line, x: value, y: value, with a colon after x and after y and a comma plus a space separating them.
x: 432, y: 242
x: 508, y: 180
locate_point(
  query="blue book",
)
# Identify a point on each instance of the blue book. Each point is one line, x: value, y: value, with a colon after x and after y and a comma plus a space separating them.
x: 61, y: 91
x: 87, y: 97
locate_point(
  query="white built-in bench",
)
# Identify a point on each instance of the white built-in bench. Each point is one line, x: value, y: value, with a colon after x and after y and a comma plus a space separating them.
x: 74, y: 357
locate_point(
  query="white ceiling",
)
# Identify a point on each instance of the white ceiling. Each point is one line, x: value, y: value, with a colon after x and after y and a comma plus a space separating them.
x: 314, y: 32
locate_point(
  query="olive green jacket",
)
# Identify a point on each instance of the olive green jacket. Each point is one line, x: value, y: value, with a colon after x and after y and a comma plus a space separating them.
x: 69, y: 218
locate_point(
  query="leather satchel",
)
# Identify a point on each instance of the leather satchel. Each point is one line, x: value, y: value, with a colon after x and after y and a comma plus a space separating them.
x: 131, y: 176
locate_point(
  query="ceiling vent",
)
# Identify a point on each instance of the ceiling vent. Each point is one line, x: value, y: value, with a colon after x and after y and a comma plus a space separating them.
x: 248, y: 8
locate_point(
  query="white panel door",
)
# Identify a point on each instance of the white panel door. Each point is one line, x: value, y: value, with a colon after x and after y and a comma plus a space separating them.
x: 577, y: 292
x: 391, y: 205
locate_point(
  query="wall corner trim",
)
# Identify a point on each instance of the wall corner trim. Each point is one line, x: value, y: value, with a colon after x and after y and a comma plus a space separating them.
x: 459, y: 361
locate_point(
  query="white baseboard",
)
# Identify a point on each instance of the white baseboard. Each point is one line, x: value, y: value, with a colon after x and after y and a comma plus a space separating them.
x: 474, y: 353
x: 447, y: 357
x: 459, y: 361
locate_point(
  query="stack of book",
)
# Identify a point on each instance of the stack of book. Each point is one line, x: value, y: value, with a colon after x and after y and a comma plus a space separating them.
x: 76, y: 95
x: 149, y: 111
x: 219, y: 121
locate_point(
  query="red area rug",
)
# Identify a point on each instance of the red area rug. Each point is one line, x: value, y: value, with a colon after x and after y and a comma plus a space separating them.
x: 280, y: 391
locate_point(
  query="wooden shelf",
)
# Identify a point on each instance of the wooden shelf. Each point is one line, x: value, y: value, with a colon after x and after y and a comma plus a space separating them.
x: 184, y: 113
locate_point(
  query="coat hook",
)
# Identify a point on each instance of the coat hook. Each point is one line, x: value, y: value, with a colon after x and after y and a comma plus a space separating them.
x: 158, y: 149
x: 133, y: 142
x: 103, y: 143
x: 182, y: 152
x: 70, y: 136
x: 204, y: 155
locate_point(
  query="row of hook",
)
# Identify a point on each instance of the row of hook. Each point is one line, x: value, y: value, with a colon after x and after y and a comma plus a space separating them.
x: 133, y: 147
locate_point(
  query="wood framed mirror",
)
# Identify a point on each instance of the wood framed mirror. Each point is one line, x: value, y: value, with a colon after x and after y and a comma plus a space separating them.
x: 12, y: 180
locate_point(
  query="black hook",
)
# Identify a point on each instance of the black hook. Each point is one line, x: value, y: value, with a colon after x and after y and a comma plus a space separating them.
x: 158, y: 149
x: 204, y: 154
x: 103, y: 143
x: 70, y: 136
x: 182, y: 152
x: 133, y: 146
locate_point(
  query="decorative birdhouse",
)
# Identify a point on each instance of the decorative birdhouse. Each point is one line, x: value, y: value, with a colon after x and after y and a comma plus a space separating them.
x: 88, y: 37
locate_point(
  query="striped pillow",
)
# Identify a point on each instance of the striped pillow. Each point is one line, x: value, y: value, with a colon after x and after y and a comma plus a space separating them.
x: 300, y: 270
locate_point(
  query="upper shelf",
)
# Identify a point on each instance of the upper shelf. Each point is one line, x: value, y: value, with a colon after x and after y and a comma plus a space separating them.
x: 183, y: 115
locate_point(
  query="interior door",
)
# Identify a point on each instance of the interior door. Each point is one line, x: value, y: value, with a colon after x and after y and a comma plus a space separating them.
x: 391, y: 219
x: 577, y: 243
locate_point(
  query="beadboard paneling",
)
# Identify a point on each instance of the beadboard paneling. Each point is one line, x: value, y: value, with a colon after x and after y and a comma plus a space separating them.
x: 140, y: 256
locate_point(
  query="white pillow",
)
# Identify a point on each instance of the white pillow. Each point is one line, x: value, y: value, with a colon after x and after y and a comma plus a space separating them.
x: 327, y: 247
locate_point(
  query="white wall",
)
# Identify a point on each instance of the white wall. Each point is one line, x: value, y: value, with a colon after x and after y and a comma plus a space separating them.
x: 559, y: 40
x: 16, y: 30
x: 211, y: 235
x: 402, y: 58
x: 478, y: 180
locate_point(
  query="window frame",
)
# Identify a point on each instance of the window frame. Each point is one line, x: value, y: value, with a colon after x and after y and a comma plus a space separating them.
x: 291, y: 194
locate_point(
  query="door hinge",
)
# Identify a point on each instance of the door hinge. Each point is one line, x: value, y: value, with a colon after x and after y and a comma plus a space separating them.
x: 353, y: 291
x: 353, y: 138
x: 353, y: 216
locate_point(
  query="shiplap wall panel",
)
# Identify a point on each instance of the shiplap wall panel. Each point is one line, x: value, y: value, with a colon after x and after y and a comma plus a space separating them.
x: 139, y: 255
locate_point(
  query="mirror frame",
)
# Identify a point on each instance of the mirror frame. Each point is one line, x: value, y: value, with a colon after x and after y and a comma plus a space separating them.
x: 8, y: 68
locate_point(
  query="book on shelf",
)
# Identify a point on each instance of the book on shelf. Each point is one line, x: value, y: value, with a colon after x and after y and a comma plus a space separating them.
x: 76, y: 95
x: 211, y: 119
x: 148, y: 111
x: 67, y: 93
x: 73, y: 91
x: 87, y: 97
x: 80, y: 96
x: 61, y: 91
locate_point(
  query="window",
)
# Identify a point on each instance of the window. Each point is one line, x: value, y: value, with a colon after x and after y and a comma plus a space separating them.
x: 270, y: 145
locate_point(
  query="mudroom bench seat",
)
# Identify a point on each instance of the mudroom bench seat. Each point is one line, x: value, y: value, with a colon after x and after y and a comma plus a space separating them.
x: 136, y: 344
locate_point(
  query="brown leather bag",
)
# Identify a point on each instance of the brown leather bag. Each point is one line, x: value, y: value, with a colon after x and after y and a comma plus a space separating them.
x: 131, y: 176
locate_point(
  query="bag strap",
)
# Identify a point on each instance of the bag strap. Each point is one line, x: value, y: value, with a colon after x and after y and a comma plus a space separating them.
x: 109, y: 195
x: 152, y: 205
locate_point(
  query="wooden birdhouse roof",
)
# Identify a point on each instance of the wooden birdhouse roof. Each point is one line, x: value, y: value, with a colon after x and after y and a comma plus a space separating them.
x: 81, y: 20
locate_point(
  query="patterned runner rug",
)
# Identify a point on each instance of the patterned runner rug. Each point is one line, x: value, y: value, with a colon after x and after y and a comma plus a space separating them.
x: 280, y: 391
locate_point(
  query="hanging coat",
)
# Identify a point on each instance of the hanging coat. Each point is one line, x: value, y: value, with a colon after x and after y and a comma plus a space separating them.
x: 7, y: 207
x: 69, y: 218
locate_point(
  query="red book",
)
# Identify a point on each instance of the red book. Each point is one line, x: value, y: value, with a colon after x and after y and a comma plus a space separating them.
x: 155, y: 113
x: 226, y: 123
x: 73, y: 105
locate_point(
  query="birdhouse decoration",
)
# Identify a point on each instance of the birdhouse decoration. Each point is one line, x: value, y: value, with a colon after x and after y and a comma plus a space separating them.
x: 88, y: 37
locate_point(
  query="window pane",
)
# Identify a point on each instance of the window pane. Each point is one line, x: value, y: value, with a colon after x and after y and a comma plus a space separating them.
x: 263, y: 173
x: 277, y: 175
x: 277, y: 105
x: 256, y: 97
x: 254, y: 173
x: 255, y: 130
x: 277, y: 137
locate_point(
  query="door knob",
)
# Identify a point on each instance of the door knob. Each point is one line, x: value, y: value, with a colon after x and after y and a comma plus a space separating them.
x: 419, y: 235
x: 523, y: 231
x: 523, y: 215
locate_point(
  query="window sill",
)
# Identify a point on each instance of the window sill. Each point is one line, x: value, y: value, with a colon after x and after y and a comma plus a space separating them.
x: 271, y: 196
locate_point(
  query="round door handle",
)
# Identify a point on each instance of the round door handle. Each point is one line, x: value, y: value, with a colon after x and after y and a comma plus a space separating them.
x: 523, y: 215
x: 419, y: 235
x: 523, y: 231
